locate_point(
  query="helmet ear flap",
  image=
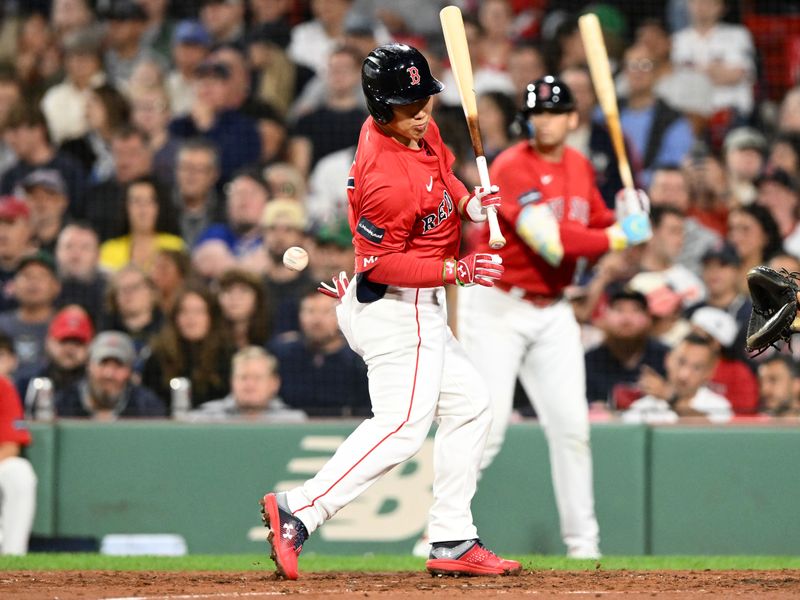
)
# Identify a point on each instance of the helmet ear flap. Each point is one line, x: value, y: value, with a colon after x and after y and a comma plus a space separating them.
x: 381, y: 112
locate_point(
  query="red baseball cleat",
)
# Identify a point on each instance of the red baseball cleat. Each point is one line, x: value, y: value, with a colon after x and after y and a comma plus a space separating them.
x: 469, y: 558
x: 286, y: 536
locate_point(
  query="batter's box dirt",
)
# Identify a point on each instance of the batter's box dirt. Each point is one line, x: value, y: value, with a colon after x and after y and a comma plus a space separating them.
x: 607, y: 585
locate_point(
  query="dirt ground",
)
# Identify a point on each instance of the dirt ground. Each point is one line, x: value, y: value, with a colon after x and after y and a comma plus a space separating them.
x: 628, y: 585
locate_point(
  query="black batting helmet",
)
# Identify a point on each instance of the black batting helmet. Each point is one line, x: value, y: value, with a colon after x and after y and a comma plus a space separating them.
x: 547, y: 94
x: 393, y: 75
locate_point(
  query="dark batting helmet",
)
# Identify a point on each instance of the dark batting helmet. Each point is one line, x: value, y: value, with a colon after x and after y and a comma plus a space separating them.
x: 393, y: 75
x: 547, y: 94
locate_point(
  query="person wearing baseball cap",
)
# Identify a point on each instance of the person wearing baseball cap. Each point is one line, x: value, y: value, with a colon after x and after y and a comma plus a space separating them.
x: 779, y: 192
x: 191, y: 43
x: 46, y: 194
x: 66, y: 347
x: 107, y: 391
x: 127, y: 22
x: 15, y: 242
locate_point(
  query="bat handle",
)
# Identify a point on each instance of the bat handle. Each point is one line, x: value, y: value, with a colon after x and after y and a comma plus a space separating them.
x: 496, y: 239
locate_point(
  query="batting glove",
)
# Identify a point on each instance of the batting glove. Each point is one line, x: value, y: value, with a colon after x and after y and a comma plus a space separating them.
x: 339, y: 287
x: 481, y: 268
x: 632, y: 230
x: 475, y: 208
x: 629, y: 201
x: 537, y: 225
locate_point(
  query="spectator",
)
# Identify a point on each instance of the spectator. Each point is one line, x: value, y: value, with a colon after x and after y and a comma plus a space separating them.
x: 193, y: 344
x: 722, y: 51
x: 525, y: 64
x: 658, y: 134
x: 591, y: 137
x: 132, y: 308
x: 332, y: 250
x: 211, y: 259
x: 273, y: 12
x: 37, y: 59
x: 743, y: 153
x: 106, y: 112
x: 66, y: 348
x: 171, y: 270
x: 245, y: 308
x: 190, y: 46
x: 789, y: 112
x: 194, y: 193
x: 615, y: 366
x: 732, y: 377
x: 233, y: 133
x: 668, y: 187
x: 8, y: 358
x: 721, y: 278
x: 64, y: 104
x: 254, y: 388
x: 157, y: 35
x: 46, y: 194
x: 26, y: 133
x: 77, y: 253
x: 146, y: 230
x: 664, y: 305
x: 151, y: 114
x: 284, y: 224
x: 313, y: 41
x: 779, y: 386
x: 105, y: 202
x: 238, y: 95
x: 10, y: 95
x: 660, y: 254
x: 327, y: 198
x: 68, y: 17
x: 685, y: 391
x: 784, y: 153
x: 320, y: 374
x: 224, y: 20
x: 778, y: 192
x: 497, y: 19
x: 286, y: 181
x: 783, y: 260
x: 36, y: 288
x: 124, y: 40
x: 16, y: 241
x: 337, y: 124
x: 17, y: 479
x: 754, y: 234
x: 274, y: 135
x: 496, y: 113
x: 247, y: 196
x: 108, y: 391
x: 708, y: 189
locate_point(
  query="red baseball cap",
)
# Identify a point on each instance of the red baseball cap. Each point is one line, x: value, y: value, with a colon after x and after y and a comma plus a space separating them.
x: 12, y: 208
x: 71, y: 323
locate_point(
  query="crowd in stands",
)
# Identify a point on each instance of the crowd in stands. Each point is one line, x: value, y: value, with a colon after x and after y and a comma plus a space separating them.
x: 159, y: 156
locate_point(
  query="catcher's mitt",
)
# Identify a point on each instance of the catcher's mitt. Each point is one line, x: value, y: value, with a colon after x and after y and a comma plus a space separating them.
x: 774, y: 312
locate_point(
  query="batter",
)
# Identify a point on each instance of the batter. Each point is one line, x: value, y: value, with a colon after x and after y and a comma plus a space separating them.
x: 405, y: 210
x: 553, y: 215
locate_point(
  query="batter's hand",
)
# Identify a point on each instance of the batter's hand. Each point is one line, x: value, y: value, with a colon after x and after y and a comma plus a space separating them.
x: 339, y: 287
x: 481, y: 268
x: 475, y: 208
x: 629, y: 201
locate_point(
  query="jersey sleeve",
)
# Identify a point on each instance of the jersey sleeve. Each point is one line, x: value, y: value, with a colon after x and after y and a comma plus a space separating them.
x: 382, y: 222
x: 12, y: 425
x: 600, y: 216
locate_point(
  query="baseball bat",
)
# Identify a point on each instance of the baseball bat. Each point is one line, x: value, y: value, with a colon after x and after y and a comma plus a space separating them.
x: 597, y: 57
x: 456, y: 40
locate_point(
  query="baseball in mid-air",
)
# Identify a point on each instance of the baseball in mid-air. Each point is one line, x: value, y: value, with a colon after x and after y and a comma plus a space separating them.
x: 295, y: 258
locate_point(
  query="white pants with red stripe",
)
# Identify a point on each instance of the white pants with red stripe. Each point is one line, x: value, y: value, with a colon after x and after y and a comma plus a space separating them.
x: 508, y: 337
x: 17, y: 504
x: 418, y: 373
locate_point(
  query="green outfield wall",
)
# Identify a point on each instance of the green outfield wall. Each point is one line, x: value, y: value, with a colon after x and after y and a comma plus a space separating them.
x: 669, y: 490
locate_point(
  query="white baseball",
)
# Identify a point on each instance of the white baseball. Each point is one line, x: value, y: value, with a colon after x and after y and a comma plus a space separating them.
x: 295, y: 258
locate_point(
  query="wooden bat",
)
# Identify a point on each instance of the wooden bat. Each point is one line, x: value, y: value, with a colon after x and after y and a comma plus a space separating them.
x: 456, y: 40
x: 597, y: 57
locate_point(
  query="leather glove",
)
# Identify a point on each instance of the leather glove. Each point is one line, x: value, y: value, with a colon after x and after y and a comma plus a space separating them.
x: 475, y: 208
x: 339, y: 287
x: 481, y: 268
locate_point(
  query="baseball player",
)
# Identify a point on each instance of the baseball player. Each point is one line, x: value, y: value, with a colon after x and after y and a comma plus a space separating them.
x: 523, y: 326
x: 405, y: 210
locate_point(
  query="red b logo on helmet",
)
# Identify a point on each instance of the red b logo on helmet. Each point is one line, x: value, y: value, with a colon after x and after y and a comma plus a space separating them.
x: 413, y: 72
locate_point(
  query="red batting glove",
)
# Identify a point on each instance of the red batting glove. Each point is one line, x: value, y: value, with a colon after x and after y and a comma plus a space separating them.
x: 475, y: 208
x: 480, y: 268
x: 339, y: 287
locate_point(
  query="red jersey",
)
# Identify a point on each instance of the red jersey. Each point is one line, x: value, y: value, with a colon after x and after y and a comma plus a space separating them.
x: 12, y: 425
x: 568, y: 187
x: 403, y: 200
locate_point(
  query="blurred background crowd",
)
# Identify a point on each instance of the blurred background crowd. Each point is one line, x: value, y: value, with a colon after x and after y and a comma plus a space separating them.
x: 159, y: 156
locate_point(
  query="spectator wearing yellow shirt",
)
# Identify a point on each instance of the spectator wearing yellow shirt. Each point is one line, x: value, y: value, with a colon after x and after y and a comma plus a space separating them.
x: 145, y: 225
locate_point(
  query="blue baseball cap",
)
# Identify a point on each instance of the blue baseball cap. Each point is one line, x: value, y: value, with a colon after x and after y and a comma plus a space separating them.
x: 191, y: 32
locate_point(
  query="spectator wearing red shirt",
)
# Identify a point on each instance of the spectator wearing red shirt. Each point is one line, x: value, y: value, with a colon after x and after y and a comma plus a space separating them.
x: 17, y: 479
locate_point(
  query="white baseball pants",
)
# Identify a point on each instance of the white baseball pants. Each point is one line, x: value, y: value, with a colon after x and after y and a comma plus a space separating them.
x: 507, y: 337
x: 418, y: 372
x: 17, y: 504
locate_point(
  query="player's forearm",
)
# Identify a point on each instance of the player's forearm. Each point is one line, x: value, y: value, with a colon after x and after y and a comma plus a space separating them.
x: 579, y: 241
x: 407, y: 271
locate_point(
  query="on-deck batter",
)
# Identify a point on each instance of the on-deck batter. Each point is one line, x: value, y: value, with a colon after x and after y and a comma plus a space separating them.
x: 405, y: 206
x: 523, y: 327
